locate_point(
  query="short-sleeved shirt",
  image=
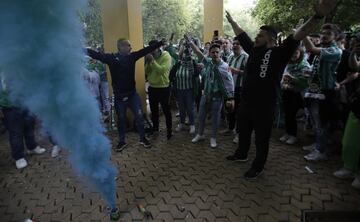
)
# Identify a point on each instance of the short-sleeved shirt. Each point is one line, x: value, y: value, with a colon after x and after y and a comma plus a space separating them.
x: 226, y: 55
x: 184, y: 75
x: 238, y: 62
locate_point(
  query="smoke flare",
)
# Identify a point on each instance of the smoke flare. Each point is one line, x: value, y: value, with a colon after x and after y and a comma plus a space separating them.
x: 42, y: 61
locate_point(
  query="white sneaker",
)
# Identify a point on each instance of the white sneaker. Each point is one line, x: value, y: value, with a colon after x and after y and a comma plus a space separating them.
x: 236, y: 139
x: 38, y: 150
x: 310, y: 147
x: 284, y: 138
x: 356, y: 182
x: 344, y: 173
x: 315, y: 156
x: 198, y: 138
x: 21, y: 163
x: 291, y: 140
x: 213, y: 143
x: 192, y: 129
x: 55, y: 151
x: 179, y: 127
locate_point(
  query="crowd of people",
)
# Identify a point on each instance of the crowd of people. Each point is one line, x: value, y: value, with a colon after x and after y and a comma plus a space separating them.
x: 241, y: 82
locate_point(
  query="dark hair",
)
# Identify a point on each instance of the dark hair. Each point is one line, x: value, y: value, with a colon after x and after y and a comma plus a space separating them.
x: 341, y: 37
x: 334, y: 28
x: 207, y: 43
x: 214, y: 46
x: 270, y: 30
x: 153, y: 42
x: 302, y: 54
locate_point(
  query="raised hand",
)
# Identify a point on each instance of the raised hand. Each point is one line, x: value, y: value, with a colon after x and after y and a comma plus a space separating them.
x: 229, y: 17
x: 172, y: 37
x: 187, y: 38
x: 324, y: 7
x: 149, y: 58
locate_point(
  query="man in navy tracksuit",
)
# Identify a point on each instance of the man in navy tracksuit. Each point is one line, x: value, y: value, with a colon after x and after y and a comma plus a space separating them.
x: 122, y: 69
x: 263, y: 72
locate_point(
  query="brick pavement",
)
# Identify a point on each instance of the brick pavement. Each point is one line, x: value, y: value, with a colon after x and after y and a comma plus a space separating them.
x: 176, y: 181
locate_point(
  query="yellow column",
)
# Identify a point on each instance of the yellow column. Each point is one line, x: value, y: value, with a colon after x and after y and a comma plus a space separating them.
x: 213, y: 18
x: 122, y: 19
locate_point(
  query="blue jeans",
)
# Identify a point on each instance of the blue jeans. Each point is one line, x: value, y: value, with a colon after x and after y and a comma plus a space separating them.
x: 134, y: 103
x: 215, y: 106
x: 20, y: 126
x: 321, y: 129
x: 186, y: 105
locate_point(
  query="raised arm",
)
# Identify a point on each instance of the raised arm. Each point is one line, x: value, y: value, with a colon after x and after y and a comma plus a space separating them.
x: 310, y: 47
x: 181, y: 51
x: 197, y: 51
x: 323, y: 8
x: 241, y: 35
x: 102, y: 57
x: 234, y: 25
x: 143, y: 52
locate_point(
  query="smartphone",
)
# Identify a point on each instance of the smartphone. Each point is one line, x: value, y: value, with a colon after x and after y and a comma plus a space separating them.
x: 216, y: 33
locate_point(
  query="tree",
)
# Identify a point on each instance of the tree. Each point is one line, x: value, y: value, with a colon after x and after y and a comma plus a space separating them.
x: 246, y: 22
x: 195, y: 12
x: 285, y: 14
x: 163, y: 17
x: 91, y: 18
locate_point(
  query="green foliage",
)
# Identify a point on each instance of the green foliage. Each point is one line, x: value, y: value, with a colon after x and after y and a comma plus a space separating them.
x: 163, y: 17
x: 91, y: 18
x: 285, y: 14
x: 246, y: 22
x: 243, y: 17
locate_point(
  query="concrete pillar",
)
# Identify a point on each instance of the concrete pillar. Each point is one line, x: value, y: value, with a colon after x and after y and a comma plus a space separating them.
x: 213, y: 18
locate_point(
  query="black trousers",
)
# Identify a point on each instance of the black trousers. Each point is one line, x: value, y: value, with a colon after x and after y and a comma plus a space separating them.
x: 292, y: 102
x: 160, y: 96
x: 260, y: 119
x: 20, y: 126
x: 329, y: 109
x: 232, y: 116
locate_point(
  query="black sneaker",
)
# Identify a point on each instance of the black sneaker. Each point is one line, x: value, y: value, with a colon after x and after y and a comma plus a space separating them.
x: 253, y: 173
x: 145, y: 142
x: 120, y: 147
x: 236, y: 158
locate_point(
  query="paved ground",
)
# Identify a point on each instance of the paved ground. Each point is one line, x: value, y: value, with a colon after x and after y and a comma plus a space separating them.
x: 176, y: 181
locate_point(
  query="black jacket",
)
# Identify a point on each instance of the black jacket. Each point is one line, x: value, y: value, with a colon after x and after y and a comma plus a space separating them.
x: 122, y: 68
